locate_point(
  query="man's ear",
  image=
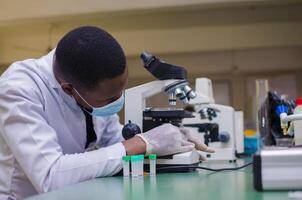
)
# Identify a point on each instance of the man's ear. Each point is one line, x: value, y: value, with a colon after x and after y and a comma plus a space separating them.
x: 67, y: 88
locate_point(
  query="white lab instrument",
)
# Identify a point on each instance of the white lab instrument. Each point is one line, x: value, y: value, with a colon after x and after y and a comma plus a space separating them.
x: 152, y: 164
x: 147, y: 118
x: 220, y: 125
x: 126, y: 166
x: 278, y: 169
x: 298, y: 123
x: 134, y: 166
x: 296, y: 118
x: 140, y: 165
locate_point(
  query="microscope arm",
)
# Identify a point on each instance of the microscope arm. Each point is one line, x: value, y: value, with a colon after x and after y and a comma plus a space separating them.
x: 135, y: 99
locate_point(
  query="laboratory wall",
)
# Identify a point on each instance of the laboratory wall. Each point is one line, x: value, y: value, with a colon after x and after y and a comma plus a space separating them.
x: 231, y: 42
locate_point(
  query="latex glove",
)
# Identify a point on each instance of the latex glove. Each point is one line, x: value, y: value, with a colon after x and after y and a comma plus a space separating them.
x: 199, y: 146
x: 165, y: 140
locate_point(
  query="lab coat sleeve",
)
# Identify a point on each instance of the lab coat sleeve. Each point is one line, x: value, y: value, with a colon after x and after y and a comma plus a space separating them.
x: 113, y: 132
x: 35, y: 146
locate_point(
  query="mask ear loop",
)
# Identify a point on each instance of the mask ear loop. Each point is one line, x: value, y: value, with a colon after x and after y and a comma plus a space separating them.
x: 82, y: 98
x: 82, y: 107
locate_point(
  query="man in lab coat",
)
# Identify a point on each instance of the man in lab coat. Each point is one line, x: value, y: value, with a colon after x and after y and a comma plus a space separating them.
x: 58, y: 121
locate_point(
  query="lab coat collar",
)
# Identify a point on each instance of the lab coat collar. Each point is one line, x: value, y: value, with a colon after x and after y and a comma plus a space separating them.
x: 47, y: 64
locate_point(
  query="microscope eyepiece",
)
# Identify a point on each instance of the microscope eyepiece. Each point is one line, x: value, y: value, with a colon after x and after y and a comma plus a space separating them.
x: 147, y: 58
x: 161, y: 70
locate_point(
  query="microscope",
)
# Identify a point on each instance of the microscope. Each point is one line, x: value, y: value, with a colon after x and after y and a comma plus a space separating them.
x: 173, y: 81
x: 220, y: 126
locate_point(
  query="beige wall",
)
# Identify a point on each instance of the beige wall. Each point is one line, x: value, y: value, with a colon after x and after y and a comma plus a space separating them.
x: 188, y: 29
x: 228, y: 41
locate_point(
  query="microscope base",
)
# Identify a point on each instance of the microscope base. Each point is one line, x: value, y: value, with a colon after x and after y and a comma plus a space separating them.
x: 178, y: 162
x: 176, y: 168
x: 221, y: 154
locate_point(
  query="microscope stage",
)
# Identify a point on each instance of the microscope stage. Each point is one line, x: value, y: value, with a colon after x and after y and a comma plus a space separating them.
x: 167, y: 113
x: 182, y: 162
x: 187, y: 158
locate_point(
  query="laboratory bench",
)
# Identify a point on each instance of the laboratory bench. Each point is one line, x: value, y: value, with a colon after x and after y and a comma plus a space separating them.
x: 200, y: 184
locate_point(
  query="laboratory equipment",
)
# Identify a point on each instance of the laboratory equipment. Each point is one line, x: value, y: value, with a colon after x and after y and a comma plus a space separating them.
x: 126, y: 166
x: 284, y: 121
x: 278, y: 169
x: 275, y: 115
x: 172, y: 80
x: 289, y: 120
x: 152, y: 164
x: 130, y: 130
x: 262, y: 118
x: 134, y: 166
x: 140, y: 165
x: 221, y: 127
x: 298, y: 123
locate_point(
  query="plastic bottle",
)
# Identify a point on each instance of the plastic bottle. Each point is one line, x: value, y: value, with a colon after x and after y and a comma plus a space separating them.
x: 126, y: 166
x: 152, y: 164
x: 134, y: 168
x: 298, y: 123
x: 140, y: 165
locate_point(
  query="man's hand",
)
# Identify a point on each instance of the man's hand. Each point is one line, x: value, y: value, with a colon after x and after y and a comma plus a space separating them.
x: 162, y: 140
x: 135, y: 145
x: 166, y: 140
x: 199, y: 146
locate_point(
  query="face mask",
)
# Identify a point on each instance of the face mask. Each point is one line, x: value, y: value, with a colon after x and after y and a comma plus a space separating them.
x: 107, y: 110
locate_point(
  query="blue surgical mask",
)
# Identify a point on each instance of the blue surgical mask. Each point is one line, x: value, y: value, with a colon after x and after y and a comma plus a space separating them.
x: 107, y: 110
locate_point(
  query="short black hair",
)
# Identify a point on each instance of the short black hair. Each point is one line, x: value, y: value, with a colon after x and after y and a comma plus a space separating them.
x: 87, y: 55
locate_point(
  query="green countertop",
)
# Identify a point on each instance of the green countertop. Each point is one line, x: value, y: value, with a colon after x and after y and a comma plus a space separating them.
x: 229, y: 185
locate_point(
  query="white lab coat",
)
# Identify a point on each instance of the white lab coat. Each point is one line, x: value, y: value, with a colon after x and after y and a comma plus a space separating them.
x: 43, y: 134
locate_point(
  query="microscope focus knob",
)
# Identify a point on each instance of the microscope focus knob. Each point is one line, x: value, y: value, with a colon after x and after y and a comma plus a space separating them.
x: 130, y: 130
x: 224, y: 137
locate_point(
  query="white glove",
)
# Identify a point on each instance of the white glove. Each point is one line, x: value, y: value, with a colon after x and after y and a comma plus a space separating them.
x: 199, y: 146
x: 165, y: 140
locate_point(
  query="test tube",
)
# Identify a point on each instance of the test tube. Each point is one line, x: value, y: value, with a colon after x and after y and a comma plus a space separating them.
x: 152, y: 164
x: 134, y: 168
x: 126, y: 166
x: 140, y: 165
x: 262, y: 108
